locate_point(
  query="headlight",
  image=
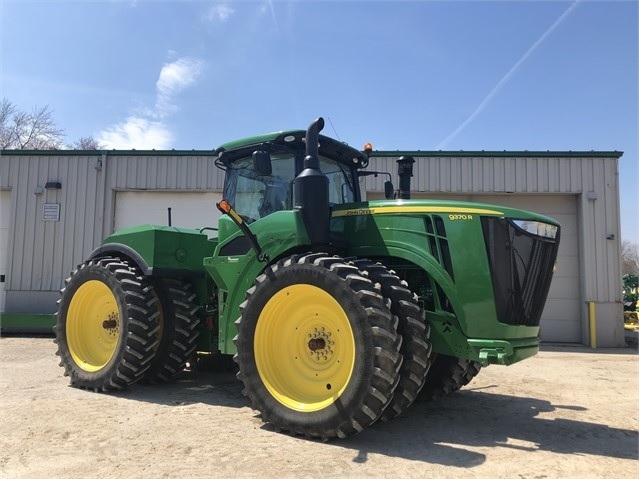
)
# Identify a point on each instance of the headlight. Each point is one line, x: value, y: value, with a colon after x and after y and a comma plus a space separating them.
x: 537, y: 228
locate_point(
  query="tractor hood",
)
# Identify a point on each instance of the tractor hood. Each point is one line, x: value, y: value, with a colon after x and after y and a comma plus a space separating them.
x: 453, y: 210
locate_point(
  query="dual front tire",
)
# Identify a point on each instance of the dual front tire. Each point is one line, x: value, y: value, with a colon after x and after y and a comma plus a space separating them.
x: 447, y: 375
x: 319, y: 350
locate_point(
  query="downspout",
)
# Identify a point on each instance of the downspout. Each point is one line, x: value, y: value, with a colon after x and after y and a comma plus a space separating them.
x: 101, y: 166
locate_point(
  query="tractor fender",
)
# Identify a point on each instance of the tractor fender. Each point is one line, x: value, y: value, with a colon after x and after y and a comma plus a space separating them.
x: 119, y: 249
x: 122, y: 249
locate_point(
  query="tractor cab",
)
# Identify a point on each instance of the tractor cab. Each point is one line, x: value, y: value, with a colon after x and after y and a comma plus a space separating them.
x: 261, y: 171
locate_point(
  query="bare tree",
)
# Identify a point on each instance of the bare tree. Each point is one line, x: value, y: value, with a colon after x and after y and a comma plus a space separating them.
x: 629, y: 258
x: 87, y: 143
x: 6, y: 112
x: 35, y: 130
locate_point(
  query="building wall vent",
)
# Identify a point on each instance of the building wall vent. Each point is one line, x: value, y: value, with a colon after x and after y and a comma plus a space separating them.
x: 51, y: 212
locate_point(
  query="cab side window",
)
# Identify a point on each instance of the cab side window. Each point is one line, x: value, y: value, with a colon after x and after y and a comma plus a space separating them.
x: 255, y: 196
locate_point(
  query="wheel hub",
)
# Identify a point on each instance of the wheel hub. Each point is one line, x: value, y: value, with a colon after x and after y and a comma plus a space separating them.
x: 111, y: 325
x: 320, y: 344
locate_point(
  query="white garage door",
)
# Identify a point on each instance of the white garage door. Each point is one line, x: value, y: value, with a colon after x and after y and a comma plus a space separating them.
x: 5, y: 211
x: 188, y: 209
x: 561, y: 319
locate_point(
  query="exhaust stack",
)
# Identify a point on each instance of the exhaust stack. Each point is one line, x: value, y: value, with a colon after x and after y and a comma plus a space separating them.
x: 311, y: 190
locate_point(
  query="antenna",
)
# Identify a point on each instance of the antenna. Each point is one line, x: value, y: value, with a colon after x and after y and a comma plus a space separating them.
x: 334, y: 130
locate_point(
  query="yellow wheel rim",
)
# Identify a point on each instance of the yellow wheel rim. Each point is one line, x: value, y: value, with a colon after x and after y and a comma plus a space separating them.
x: 304, y: 348
x: 93, y: 326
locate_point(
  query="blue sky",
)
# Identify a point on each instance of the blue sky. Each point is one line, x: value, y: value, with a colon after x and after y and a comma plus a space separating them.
x: 453, y: 75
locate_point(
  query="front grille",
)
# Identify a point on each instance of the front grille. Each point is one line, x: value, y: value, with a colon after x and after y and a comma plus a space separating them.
x: 521, y: 265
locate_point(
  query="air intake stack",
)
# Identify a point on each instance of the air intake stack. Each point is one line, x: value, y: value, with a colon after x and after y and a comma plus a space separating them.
x: 405, y: 172
x: 311, y: 190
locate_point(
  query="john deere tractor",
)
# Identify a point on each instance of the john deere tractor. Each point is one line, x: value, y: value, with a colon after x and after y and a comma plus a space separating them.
x: 338, y: 312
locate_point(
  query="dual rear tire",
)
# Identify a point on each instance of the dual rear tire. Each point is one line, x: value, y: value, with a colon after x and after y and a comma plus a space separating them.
x: 115, y: 327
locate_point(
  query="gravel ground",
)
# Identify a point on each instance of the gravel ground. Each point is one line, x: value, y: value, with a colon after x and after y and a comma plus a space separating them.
x: 567, y: 412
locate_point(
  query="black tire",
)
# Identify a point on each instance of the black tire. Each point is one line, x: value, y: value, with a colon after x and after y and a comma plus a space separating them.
x: 416, y: 347
x: 317, y: 347
x: 106, y: 325
x: 178, y: 332
x: 447, y: 375
x: 472, y: 370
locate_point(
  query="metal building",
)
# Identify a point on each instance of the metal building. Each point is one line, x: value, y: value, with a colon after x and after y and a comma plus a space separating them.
x: 57, y: 206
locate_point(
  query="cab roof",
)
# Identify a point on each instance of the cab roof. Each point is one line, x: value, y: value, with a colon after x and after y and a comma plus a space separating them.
x: 291, y: 139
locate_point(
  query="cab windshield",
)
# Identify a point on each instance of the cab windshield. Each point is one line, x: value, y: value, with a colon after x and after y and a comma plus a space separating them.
x: 255, y: 196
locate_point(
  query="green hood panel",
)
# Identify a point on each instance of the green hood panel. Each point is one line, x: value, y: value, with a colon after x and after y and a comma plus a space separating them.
x: 162, y: 247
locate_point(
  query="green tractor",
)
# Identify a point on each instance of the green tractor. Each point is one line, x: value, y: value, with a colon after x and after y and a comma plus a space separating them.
x: 338, y: 312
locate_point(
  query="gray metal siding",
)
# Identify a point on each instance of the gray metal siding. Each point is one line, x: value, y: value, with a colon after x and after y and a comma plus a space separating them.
x: 39, y: 249
x: 499, y: 174
x: 600, y: 233
x: 42, y: 253
x: 163, y: 172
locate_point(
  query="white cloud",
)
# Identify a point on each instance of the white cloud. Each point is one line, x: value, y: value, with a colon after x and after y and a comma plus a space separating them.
x: 219, y: 13
x: 175, y: 77
x: 147, y: 129
x: 136, y: 133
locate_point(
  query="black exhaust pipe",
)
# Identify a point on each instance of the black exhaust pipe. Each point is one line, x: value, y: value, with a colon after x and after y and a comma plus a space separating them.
x: 405, y: 172
x: 311, y: 190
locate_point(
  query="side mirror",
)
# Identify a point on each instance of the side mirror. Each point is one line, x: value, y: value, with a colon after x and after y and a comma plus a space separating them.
x: 262, y: 163
x: 389, y: 190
